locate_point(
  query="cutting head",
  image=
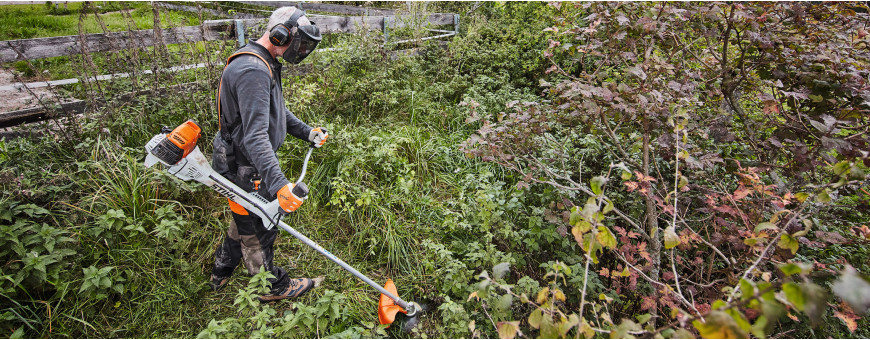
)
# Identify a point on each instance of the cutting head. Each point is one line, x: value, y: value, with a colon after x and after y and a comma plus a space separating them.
x: 388, y: 309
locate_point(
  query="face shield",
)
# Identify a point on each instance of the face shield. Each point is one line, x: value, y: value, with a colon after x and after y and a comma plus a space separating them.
x: 302, y: 43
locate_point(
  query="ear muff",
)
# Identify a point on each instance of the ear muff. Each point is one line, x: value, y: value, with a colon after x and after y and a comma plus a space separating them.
x: 281, y: 34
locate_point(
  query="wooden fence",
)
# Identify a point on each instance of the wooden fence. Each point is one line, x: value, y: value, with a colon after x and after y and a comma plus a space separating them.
x: 23, y: 49
x: 26, y: 49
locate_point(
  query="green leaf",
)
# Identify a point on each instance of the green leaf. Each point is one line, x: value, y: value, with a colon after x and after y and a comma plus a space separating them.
x: 535, y: 318
x: 765, y: 226
x: 771, y: 311
x: 682, y: 333
x: 18, y: 334
x: 854, y: 290
x: 606, y: 238
x: 86, y: 284
x: 548, y: 329
x: 795, y: 268
x: 841, y: 168
x: 597, y: 183
x: 565, y: 326
x: 671, y: 237
x: 589, y: 210
x: 575, y: 216
x: 786, y: 241
x: 508, y: 330
x: 622, y: 331
x: 856, y: 172
x: 684, y: 181
x: 815, y: 302
x: 759, y: 328
x: 591, y: 246
x: 608, y: 208
x: 719, y: 325
x: 739, y: 319
x: 578, y: 231
x: 801, y: 196
x: 586, y: 330
x: 504, y: 302
x: 747, y: 289
x: 794, y: 295
x: 643, y: 318
x: 625, y: 175
x: 543, y: 295
x: 824, y: 196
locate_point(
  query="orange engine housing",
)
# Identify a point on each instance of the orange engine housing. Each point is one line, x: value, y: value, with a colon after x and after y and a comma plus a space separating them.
x: 185, y: 136
x: 178, y: 143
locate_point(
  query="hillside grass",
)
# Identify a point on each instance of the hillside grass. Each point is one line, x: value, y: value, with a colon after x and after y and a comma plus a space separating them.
x: 41, y: 21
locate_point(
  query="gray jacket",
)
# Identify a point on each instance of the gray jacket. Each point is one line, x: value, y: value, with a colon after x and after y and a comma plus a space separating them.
x: 254, y: 122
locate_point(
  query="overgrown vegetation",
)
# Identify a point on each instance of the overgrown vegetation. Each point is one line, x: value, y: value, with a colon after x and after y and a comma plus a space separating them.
x: 557, y: 170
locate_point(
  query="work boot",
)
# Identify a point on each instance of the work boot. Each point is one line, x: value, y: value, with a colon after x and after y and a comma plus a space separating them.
x: 216, y: 283
x: 296, y: 288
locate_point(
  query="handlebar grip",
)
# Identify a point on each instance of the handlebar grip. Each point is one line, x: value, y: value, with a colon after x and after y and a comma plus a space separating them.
x: 322, y: 129
x: 300, y: 190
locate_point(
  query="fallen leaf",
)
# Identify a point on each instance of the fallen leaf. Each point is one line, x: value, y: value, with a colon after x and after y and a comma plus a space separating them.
x: 848, y: 316
x: 831, y: 237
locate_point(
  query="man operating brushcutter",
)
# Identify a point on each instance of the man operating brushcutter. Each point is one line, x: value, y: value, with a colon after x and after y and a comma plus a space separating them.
x: 253, y: 124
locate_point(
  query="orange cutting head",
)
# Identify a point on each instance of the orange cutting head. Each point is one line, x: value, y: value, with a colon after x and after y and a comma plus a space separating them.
x: 387, y: 308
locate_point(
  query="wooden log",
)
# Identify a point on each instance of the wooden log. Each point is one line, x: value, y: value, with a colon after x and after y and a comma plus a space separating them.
x: 36, y: 114
x: 73, y: 107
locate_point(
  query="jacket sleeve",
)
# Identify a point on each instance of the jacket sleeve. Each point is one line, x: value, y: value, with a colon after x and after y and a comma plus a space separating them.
x: 253, y: 87
x: 296, y: 127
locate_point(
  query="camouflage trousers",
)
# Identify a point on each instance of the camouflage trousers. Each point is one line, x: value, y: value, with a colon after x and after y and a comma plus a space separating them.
x: 247, y: 239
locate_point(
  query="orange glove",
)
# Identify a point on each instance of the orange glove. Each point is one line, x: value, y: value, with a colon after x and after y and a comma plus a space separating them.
x: 318, y: 136
x: 288, y: 200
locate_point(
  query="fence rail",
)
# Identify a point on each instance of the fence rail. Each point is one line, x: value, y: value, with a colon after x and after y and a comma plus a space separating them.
x: 23, y: 49
x: 342, y: 9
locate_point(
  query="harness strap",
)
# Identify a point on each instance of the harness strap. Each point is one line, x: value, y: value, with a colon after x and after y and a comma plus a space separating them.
x: 271, y: 76
x: 235, y: 207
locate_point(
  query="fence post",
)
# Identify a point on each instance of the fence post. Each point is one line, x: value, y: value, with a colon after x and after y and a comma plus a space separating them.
x: 386, y: 29
x: 240, y: 32
x: 456, y: 24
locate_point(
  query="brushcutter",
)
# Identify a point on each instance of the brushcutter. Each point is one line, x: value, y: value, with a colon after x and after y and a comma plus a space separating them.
x: 177, y: 151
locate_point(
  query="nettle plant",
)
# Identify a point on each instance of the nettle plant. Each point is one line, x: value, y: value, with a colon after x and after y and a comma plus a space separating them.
x: 33, y: 249
x: 256, y: 320
x: 730, y: 132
